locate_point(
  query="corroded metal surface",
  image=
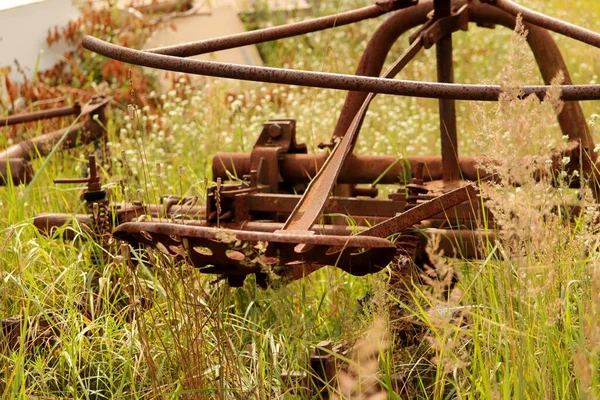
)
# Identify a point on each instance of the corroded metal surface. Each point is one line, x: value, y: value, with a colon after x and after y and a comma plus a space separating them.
x: 243, y: 231
x: 311, y: 205
x: 283, y: 31
x: 89, y: 126
x: 423, y: 211
x: 327, y: 80
x: 75, y: 109
x: 554, y: 24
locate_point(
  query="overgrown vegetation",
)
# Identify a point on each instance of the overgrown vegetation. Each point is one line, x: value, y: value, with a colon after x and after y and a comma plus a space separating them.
x: 522, y: 323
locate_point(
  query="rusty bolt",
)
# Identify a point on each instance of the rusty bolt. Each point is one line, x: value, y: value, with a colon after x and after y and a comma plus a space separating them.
x: 274, y: 131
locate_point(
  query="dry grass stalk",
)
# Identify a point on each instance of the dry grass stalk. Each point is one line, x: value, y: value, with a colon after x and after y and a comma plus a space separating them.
x: 360, y: 381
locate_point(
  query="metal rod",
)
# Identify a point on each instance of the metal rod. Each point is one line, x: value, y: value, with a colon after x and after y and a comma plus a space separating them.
x: 421, y: 212
x: 38, y: 115
x: 447, y: 107
x: 556, y: 25
x: 283, y: 31
x: 326, y: 80
x: 358, y: 169
x: 43, y: 144
x: 375, y: 54
x: 409, y: 54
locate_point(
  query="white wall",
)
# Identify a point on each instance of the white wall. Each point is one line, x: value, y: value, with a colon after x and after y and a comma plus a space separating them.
x: 23, y: 29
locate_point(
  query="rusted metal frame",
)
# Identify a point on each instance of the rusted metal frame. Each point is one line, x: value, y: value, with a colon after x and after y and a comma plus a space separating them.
x: 314, y: 199
x: 375, y: 54
x: 42, y: 145
x: 437, y: 27
x: 81, y: 132
x: 121, y: 213
x: 548, y: 57
x: 544, y: 21
x: 452, y: 242
x: 409, y: 54
x: 360, y: 208
x: 327, y: 80
x: 276, y: 138
x: 39, y: 115
x: 285, y: 203
x: 542, y: 45
x: 422, y: 212
x: 363, y: 169
x: 283, y: 31
x: 17, y: 156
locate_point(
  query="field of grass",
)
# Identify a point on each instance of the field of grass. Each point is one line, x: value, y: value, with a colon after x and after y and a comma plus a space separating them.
x: 523, y: 323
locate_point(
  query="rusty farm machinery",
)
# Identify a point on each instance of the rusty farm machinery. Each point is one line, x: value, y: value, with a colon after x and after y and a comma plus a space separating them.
x: 274, y: 220
x: 87, y: 128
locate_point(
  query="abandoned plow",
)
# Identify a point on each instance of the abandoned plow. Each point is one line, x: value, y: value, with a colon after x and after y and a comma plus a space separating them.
x: 280, y: 218
x: 275, y: 218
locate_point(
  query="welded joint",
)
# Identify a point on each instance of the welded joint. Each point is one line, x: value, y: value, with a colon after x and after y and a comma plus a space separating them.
x: 437, y: 28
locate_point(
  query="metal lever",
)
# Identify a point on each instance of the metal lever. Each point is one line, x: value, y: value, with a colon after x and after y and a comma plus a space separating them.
x: 94, y: 190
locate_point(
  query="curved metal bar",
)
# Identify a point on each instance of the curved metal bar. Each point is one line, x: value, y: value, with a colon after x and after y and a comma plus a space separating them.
x: 550, y: 62
x: 326, y: 80
x: 378, y: 47
x: 283, y: 31
x: 555, y: 25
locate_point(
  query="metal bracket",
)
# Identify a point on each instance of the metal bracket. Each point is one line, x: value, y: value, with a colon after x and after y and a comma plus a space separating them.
x: 277, y: 137
x: 437, y: 28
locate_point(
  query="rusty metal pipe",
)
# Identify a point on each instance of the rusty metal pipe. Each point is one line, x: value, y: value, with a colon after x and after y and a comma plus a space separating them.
x: 78, y: 133
x: 18, y: 155
x: 325, y: 80
x: 300, y: 168
x: 16, y: 170
x: 283, y: 31
x: 39, y: 115
x: 544, y: 21
x: 43, y: 144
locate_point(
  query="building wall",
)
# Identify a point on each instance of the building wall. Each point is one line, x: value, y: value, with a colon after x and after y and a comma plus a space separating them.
x: 23, y: 30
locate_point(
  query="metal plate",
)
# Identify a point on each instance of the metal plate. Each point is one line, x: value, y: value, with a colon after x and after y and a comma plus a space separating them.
x: 235, y: 252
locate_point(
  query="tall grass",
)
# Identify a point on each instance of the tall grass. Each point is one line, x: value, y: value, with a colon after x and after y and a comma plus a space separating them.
x: 521, y: 323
